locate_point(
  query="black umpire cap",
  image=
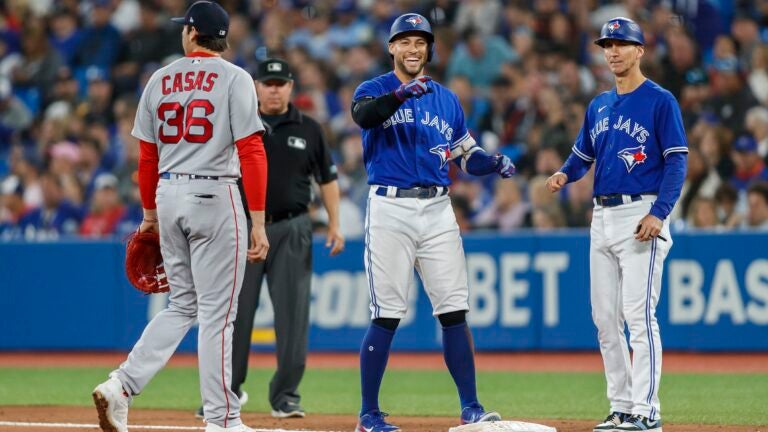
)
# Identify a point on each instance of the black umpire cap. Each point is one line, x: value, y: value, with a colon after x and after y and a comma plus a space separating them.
x: 273, y: 69
x: 208, y: 17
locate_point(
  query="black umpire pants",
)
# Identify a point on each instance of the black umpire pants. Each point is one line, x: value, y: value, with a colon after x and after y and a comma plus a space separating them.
x: 288, y: 269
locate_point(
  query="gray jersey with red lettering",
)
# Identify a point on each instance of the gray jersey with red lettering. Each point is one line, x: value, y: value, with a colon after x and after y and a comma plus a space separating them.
x: 194, y: 110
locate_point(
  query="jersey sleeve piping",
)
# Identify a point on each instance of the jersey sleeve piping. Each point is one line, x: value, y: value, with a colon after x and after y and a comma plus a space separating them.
x: 582, y: 156
x: 680, y: 149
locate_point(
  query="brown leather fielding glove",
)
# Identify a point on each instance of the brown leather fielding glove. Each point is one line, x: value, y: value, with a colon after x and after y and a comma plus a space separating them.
x: 144, y: 263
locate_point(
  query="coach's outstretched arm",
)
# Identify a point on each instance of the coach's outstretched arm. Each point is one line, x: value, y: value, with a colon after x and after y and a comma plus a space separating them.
x: 369, y: 112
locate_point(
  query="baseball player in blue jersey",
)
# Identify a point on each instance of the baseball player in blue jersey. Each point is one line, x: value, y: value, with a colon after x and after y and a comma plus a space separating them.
x: 412, y: 128
x: 635, y: 136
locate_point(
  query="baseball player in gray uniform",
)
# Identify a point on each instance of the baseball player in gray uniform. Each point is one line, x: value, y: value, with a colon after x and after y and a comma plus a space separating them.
x: 197, y: 123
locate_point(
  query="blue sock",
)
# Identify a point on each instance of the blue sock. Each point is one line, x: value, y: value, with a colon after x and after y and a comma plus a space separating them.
x: 459, y: 355
x: 374, y: 353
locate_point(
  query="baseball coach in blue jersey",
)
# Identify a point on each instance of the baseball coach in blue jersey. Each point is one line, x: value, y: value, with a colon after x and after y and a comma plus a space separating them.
x: 412, y: 127
x: 634, y: 134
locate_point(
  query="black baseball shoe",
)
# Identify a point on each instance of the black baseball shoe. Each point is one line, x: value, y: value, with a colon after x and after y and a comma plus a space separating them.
x: 288, y: 409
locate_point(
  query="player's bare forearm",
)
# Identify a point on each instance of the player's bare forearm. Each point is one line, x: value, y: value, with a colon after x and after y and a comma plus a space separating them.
x: 329, y: 193
x: 259, y: 243
x: 150, y: 221
x: 150, y: 215
x: 257, y: 217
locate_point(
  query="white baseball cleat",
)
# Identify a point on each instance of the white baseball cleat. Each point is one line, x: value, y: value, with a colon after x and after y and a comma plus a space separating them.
x: 112, y: 403
x: 210, y: 427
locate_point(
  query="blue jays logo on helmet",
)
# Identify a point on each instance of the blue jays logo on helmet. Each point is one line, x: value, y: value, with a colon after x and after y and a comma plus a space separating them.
x: 414, y: 20
x: 633, y: 156
x: 443, y: 151
x: 623, y: 29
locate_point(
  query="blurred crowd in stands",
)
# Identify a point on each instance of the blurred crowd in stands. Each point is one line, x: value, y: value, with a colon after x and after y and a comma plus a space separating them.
x: 71, y: 73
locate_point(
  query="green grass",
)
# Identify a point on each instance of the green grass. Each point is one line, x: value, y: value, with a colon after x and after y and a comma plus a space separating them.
x: 686, y: 398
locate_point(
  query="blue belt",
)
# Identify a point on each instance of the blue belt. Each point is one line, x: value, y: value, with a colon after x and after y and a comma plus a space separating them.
x: 169, y: 175
x: 415, y: 192
x: 614, y: 200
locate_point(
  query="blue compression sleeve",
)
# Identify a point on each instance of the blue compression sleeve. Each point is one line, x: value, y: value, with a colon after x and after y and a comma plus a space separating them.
x: 671, y: 184
x: 459, y: 356
x: 481, y: 163
x: 575, y: 167
x: 374, y: 353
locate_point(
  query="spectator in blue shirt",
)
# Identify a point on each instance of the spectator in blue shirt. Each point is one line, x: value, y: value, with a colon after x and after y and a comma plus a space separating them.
x: 65, y: 34
x: 749, y: 166
x: 101, y: 42
x: 348, y: 30
x: 55, y: 217
x: 480, y: 58
x: 314, y: 37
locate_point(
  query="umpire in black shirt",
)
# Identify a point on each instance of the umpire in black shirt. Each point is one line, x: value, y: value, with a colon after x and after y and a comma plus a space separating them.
x: 296, y: 150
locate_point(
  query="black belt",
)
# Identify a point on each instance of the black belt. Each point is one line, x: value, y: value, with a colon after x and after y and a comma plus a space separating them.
x: 614, y: 200
x: 169, y: 175
x: 415, y: 192
x: 279, y: 216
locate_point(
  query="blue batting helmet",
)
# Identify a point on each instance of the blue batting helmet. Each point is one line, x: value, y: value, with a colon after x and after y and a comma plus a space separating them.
x: 413, y: 22
x: 621, y: 28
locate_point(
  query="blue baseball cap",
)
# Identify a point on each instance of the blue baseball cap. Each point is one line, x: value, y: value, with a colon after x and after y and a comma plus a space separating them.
x: 208, y: 17
x: 745, y: 144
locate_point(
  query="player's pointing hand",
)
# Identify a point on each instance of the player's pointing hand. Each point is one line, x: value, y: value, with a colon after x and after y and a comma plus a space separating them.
x: 556, y: 181
x: 416, y: 87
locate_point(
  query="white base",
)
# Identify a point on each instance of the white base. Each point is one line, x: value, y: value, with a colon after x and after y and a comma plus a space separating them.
x: 502, y: 426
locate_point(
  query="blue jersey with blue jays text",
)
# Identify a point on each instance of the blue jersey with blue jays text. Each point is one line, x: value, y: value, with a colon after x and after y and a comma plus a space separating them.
x: 628, y: 136
x: 412, y: 148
